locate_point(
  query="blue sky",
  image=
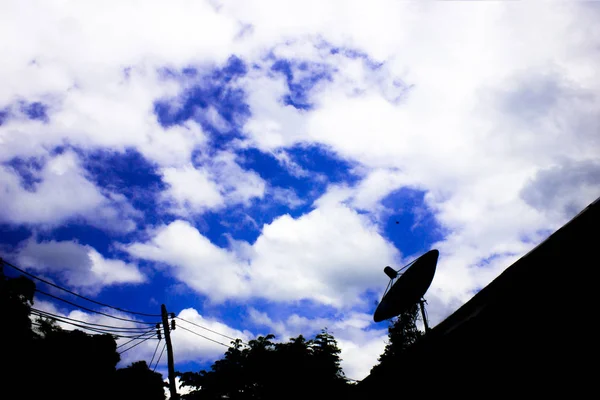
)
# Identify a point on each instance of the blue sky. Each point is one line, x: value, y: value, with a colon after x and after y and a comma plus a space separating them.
x: 255, y: 166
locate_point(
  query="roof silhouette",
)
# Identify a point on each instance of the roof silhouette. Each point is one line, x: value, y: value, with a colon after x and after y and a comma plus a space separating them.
x: 528, y: 332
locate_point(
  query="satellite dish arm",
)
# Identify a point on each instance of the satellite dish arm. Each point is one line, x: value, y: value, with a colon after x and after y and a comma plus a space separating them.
x: 407, y: 265
x: 389, y: 271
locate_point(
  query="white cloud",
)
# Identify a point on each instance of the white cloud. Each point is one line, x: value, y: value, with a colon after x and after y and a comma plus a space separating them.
x: 214, y: 118
x: 190, y: 347
x: 90, y: 43
x: 191, y: 188
x: 216, y: 182
x: 100, y: 84
x: 285, y: 196
x: 563, y: 190
x: 502, y: 105
x: 359, y: 358
x: 494, y: 100
x: 117, y: 115
x: 80, y: 266
x: 330, y: 255
x: 63, y: 193
x: 196, y: 262
x: 236, y: 184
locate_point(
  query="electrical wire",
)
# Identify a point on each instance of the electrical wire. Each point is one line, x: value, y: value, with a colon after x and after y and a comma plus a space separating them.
x: 391, y: 282
x: 96, y: 330
x: 114, y: 335
x: 114, y: 328
x: 137, y: 344
x: 210, y: 330
x: 159, y: 357
x: 91, y: 310
x: 112, y: 332
x: 202, y: 336
x: 153, y: 355
x: 135, y: 338
x: 76, y: 294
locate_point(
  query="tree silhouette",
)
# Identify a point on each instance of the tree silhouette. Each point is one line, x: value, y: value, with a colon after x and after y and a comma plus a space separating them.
x: 49, y: 362
x: 268, y: 370
x: 16, y: 299
x: 402, y: 334
x: 137, y: 381
x: 328, y: 376
x: 16, y: 336
x: 73, y: 364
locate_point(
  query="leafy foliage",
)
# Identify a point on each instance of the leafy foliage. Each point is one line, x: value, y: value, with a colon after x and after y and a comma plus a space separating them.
x: 73, y: 364
x: 402, y: 334
x: 50, y: 362
x: 137, y: 381
x: 268, y: 370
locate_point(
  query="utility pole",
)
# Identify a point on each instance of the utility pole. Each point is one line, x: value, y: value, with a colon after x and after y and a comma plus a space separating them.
x: 165, y: 321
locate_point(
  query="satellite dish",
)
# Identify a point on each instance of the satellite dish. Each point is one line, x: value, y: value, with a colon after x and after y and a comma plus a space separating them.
x: 410, y: 287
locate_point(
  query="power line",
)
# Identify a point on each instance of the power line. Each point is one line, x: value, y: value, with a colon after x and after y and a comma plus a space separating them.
x: 137, y: 344
x: 202, y: 336
x: 95, y: 330
x: 137, y: 337
x: 111, y: 331
x: 153, y: 355
x: 115, y: 328
x: 94, y: 311
x: 210, y: 330
x: 159, y: 357
x: 76, y: 294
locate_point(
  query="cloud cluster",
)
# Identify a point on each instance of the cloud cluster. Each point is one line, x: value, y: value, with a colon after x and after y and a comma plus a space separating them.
x: 330, y: 255
x: 217, y: 182
x: 58, y: 192
x: 79, y: 266
x: 491, y: 109
x: 480, y: 119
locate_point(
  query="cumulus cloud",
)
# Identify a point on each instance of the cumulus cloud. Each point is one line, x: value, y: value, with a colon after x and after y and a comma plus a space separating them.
x: 62, y: 192
x: 73, y: 45
x: 564, y: 189
x: 79, y: 266
x: 285, y: 196
x: 197, y: 262
x: 190, y: 347
x: 443, y: 113
x: 191, y: 188
x: 215, y: 182
x: 331, y: 255
x: 489, y: 108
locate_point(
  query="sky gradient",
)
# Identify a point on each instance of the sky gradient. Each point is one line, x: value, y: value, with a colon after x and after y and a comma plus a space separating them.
x: 255, y: 165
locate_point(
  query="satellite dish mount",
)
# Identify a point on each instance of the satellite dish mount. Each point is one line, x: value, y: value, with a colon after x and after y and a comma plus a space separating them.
x: 412, y: 281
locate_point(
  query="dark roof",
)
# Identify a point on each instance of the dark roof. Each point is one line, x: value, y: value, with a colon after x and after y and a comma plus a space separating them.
x: 576, y: 240
x: 528, y: 330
